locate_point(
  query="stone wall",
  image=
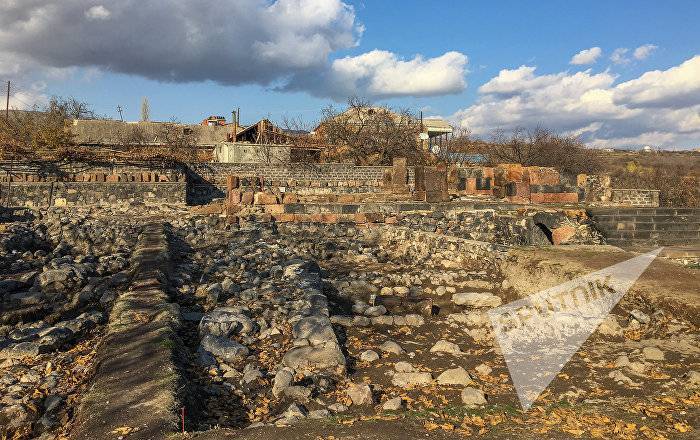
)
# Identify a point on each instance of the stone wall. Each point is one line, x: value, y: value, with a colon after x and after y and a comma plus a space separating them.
x: 597, y: 190
x: 631, y: 226
x: 326, y: 173
x: 208, y: 180
x: 635, y: 197
x: 45, y: 194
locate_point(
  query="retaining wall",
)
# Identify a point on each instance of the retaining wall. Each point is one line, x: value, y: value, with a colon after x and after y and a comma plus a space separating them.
x: 648, y: 226
x: 45, y: 194
x: 635, y: 197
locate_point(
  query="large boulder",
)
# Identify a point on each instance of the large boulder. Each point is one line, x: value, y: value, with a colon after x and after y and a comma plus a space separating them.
x: 473, y: 397
x: 224, y: 349
x: 317, y: 329
x: 60, y: 280
x: 454, y: 376
x: 411, y: 379
x: 476, y: 299
x: 226, y: 322
x: 360, y: 394
x: 321, y: 357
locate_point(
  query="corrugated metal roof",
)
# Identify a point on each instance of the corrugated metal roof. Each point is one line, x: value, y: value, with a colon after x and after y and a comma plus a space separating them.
x: 455, y: 157
x: 434, y: 124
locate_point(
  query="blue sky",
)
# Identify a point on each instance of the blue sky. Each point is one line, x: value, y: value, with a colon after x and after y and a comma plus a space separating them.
x: 493, y: 36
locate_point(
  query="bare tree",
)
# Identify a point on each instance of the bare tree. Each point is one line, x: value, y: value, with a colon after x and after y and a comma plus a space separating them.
x: 542, y: 147
x: 370, y: 135
x: 305, y: 147
x: 41, y: 133
x: 134, y: 136
x: 145, y: 110
x: 71, y: 108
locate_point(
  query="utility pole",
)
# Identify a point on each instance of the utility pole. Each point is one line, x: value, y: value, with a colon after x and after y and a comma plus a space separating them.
x: 12, y: 162
x: 119, y: 109
x: 7, y: 102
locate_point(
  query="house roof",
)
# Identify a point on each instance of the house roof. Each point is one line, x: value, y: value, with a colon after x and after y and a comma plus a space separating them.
x: 435, y: 125
x: 431, y: 125
x: 108, y: 132
x: 457, y: 157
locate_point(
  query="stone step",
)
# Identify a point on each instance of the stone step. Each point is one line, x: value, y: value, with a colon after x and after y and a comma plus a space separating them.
x: 647, y: 235
x: 646, y: 218
x: 648, y: 226
x: 644, y: 211
x: 643, y: 242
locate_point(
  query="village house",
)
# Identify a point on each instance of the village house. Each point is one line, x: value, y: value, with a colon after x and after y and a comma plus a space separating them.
x: 432, y: 132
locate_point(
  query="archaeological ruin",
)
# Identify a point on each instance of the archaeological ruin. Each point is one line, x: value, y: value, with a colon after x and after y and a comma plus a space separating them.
x: 327, y: 300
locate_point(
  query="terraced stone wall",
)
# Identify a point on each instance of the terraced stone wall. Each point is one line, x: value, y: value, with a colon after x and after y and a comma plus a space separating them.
x: 46, y: 194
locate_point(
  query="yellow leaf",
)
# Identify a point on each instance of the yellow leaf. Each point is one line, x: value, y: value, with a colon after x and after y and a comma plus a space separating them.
x: 124, y: 430
x: 682, y: 427
x: 431, y: 426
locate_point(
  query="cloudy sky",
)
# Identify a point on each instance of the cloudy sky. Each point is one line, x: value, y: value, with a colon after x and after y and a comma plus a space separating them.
x: 622, y: 73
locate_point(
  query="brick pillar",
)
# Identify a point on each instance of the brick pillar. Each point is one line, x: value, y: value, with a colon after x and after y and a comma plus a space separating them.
x: 399, y: 176
x: 419, y: 180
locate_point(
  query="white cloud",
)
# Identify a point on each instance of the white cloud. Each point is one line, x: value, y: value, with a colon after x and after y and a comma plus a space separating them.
x: 27, y: 100
x: 586, y: 56
x: 658, y: 108
x: 98, y: 12
x: 676, y: 87
x: 619, y: 56
x: 382, y: 74
x: 235, y: 42
x: 643, y: 52
x: 288, y: 44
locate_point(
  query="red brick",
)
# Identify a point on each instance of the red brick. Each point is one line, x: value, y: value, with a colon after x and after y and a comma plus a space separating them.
x: 232, y: 182
x: 329, y: 218
x: 113, y: 178
x: 234, y: 197
x: 247, y: 198
x: 288, y: 198
x: 543, y: 176
x: 361, y: 218
x: 522, y: 192
x: 563, y: 234
x: 302, y: 218
x: 346, y: 198
x: 233, y: 209
x: 554, y: 197
x: 265, y: 198
x: 283, y: 218
x: 274, y: 209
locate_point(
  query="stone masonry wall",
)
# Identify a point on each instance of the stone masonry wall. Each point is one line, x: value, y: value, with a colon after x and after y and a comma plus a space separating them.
x: 635, y: 197
x: 207, y: 181
x: 45, y: 194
